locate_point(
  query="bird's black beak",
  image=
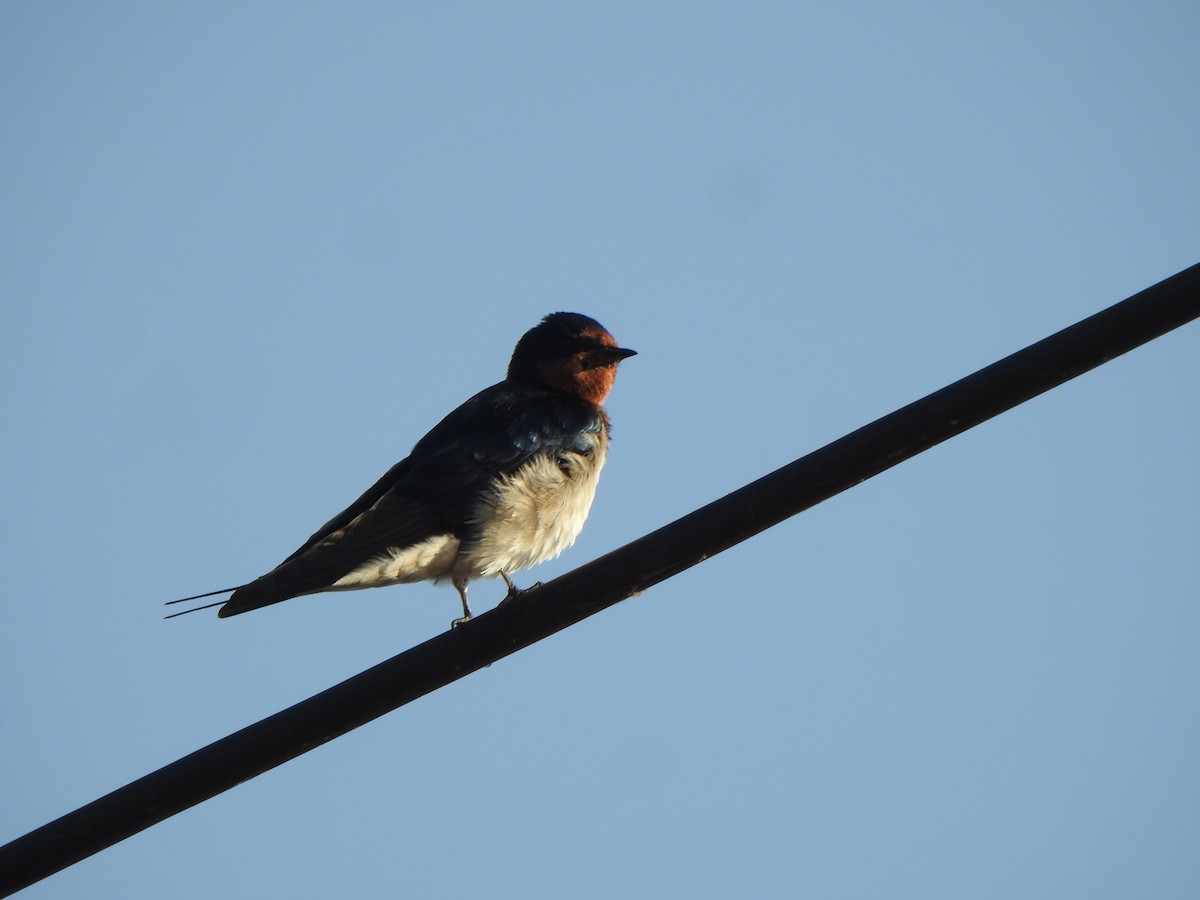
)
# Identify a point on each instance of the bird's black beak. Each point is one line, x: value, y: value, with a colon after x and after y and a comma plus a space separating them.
x: 601, y: 357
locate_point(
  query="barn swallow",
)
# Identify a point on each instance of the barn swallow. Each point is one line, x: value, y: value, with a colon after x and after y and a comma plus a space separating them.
x: 501, y: 484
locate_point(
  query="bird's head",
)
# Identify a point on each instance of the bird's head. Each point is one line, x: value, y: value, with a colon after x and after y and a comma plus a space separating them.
x: 568, y: 352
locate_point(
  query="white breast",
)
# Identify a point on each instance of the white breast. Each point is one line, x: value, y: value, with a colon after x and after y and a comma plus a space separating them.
x: 535, y: 514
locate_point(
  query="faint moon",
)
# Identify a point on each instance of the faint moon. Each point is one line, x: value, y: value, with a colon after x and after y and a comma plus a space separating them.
x: 737, y: 193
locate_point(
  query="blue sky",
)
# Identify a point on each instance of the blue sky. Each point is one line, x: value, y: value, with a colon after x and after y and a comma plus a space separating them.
x: 252, y: 252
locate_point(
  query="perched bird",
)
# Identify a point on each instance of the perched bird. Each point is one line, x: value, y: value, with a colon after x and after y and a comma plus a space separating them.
x: 502, y: 483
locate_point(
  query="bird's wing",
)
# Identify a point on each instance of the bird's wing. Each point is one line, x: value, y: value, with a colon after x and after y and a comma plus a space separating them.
x: 432, y: 492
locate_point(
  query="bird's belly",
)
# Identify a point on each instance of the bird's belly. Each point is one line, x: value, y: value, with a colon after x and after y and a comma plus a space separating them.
x: 533, y: 515
x: 429, y: 559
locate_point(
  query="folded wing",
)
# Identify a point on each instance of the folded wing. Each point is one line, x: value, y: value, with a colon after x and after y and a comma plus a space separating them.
x: 432, y: 492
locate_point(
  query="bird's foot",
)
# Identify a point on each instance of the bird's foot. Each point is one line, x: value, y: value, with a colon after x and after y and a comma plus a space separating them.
x: 467, y: 618
x: 515, y: 592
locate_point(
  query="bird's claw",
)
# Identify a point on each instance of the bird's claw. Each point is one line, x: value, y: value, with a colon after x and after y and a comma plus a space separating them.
x: 467, y: 618
x: 515, y: 593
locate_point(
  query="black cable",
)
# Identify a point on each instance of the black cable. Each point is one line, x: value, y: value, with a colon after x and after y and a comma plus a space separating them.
x: 578, y: 594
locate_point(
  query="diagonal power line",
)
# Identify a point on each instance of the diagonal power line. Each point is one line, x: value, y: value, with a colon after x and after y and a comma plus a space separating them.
x: 601, y: 583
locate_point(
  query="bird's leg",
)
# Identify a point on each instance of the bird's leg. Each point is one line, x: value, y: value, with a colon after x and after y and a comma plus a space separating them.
x: 460, y: 585
x: 513, y: 590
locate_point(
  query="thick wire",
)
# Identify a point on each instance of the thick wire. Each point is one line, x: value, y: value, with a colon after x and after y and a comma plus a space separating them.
x: 548, y: 608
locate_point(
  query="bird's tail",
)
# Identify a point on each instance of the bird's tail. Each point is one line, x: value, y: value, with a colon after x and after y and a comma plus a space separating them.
x: 199, y: 597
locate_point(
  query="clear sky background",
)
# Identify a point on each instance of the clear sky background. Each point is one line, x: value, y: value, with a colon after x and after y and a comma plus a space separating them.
x: 251, y: 252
